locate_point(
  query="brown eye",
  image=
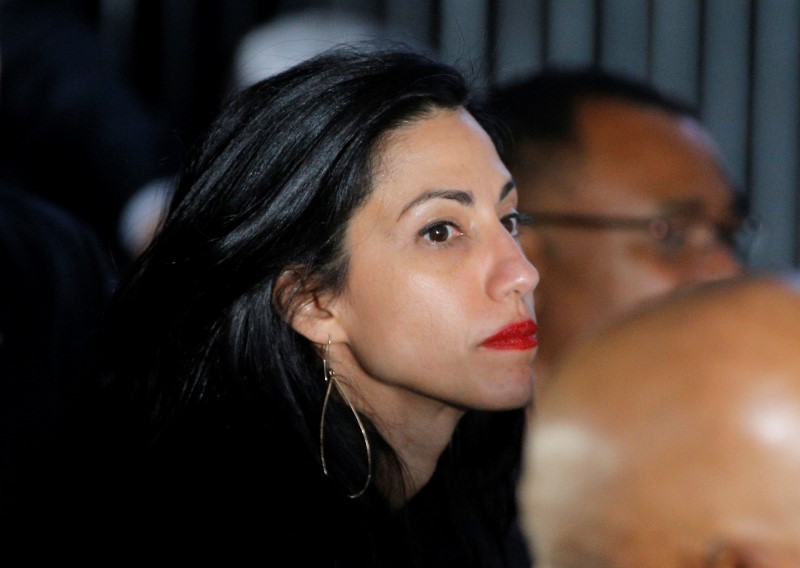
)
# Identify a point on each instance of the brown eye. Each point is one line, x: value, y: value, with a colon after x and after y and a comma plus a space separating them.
x: 439, y: 233
x: 511, y: 223
x: 671, y: 235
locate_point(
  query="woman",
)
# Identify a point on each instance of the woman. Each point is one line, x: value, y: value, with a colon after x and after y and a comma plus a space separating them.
x: 331, y: 338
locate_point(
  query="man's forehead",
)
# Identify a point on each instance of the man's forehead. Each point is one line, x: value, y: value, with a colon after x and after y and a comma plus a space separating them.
x: 654, y: 174
x: 695, y: 207
x: 619, y: 201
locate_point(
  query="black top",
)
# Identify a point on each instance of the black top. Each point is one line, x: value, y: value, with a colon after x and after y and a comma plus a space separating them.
x: 234, y: 482
x: 55, y: 285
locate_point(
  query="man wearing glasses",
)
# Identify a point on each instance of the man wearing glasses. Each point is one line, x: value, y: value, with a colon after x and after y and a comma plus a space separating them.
x: 626, y: 198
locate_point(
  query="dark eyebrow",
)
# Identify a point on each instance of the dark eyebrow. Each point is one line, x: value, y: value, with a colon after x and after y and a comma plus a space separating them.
x: 507, y: 188
x: 463, y: 197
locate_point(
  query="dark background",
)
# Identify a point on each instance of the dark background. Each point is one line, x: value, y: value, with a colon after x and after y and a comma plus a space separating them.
x: 738, y: 61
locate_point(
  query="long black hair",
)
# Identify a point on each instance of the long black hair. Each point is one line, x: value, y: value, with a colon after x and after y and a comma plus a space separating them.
x: 199, y: 334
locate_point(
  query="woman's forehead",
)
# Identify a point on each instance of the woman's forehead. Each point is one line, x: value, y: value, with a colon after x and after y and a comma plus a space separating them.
x: 446, y: 150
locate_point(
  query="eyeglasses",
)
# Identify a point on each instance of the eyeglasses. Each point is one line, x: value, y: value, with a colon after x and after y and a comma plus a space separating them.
x: 676, y: 234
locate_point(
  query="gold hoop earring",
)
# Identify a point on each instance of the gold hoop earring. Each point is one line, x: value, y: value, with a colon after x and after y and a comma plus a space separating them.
x: 330, y: 378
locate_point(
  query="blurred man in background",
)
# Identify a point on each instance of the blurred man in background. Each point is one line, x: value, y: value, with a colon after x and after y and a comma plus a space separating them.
x: 627, y: 197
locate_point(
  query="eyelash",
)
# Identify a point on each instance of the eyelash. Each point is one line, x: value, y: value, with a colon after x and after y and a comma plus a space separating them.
x: 517, y: 219
x: 523, y: 219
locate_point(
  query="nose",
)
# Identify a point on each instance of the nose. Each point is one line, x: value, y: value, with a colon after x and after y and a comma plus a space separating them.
x: 709, y: 253
x: 715, y: 264
x: 511, y: 273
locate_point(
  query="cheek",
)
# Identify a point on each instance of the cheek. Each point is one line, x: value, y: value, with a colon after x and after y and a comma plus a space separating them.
x: 404, y: 322
x: 638, y: 280
x: 619, y: 268
x: 419, y: 307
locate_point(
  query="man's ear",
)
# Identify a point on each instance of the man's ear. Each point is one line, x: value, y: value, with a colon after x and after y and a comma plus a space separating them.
x: 304, y: 307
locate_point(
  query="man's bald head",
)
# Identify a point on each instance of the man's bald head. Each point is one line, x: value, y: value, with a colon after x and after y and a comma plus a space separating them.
x: 672, y: 438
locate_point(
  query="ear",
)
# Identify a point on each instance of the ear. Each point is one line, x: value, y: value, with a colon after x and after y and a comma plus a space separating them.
x: 304, y: 307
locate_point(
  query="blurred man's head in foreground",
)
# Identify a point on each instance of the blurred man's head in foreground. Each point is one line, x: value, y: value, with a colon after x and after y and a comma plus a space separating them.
x: 672, y: 438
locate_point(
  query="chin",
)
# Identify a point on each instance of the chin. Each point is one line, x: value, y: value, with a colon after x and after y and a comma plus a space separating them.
x: 517, y: 393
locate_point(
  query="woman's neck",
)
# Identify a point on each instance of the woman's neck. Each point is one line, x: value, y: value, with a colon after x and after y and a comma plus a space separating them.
x: 419, y: 442
x: 417, y: 427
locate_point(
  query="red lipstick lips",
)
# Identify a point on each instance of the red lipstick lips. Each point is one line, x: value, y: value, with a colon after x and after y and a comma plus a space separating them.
x: 517, y: 336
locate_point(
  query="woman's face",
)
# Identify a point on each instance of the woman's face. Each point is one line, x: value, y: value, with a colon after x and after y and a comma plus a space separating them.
x: 438, y: 301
